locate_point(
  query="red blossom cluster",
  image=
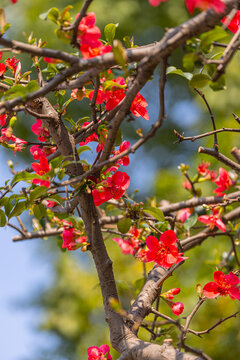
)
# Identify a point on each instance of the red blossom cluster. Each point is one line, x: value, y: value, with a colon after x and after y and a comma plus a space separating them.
x: 10, y: 63
x: 222, y: 285
x: 178, y: 307
x: 41, y: 153
x: 89, y: 35
x: 99, y: 353
x: 7, y: 137
x: 72, y: 240
x: 113, y: 187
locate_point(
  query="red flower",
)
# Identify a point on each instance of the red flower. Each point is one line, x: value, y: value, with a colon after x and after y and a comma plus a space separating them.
x: 88, y: 32
x: 14, y: 1
x: 2, y: 118
x: 234, y: 24
x: 125, y: 159
x: 129, y: 245
x: 169, y: 295
x: 213, y: 220
x: 12, y: 63
x: 41, y: 182
x: 223, y: 181
x: 2, y: 69
x: 42, y: 168
x: 90, y: 138
x: 216, y: 5
x: 164, y: 253
x: 99, y: 353
x: 223, y: 285
x: 89, y: 52
x: 37, y: 152
x: 138, y: 107
x: 113, y: 187
x: 51, y: 60
x: 156, y: 2
x: 202, y: 168
x: 177, y: 308
x: 39, y: 130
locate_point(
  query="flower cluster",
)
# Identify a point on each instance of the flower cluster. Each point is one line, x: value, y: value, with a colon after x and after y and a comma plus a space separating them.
x: 7, y: 137
x: 10, y: 63
x: 99, y: 353
x: 177, y: 308
x: 41, y: 153
x: 112, y: 188
x: 89, y: 35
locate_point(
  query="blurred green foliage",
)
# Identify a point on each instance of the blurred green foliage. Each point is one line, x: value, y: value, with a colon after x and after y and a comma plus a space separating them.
x: 72, y: 304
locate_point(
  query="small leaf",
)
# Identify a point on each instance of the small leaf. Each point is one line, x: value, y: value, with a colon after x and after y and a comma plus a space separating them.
x: 18, y: 209
x: 36, y: 193
x: 39, y: 211
x: 53, y: 15
x: 110, y: 31
x: 2, y: 19
x: 173, y: 70
x: 157, y: 213
x: 119, y: 54
x: 199, y: 80
x: 2, y: 218
x: 220, y: 84
x: 189, y: 60
x: 23, y: 176
x: 207, y: 38
x: 124, y: 225
x: 191, y: 221
x: 83, y: 148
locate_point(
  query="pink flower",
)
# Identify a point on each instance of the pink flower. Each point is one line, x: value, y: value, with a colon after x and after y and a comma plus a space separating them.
x: 202, y: 168
x: 129, y: 245
x: 156, y: 2
x: 223, y: 181
x: 164, y: 253
x: 186, y: 185
x: 217, y: 5
x: 184, y: 214
x: 234, y: 24
x: 213, y: 220
x: 99, y: 353
x: 223, y: 285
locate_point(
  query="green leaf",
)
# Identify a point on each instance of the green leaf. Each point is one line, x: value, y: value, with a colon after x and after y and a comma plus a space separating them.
x: 220, y: 84
x: 191, y: 221
x: 189, y: 60
x: 36, y: 193
x: 199, y: 80
x: 110, y: 31
x: 83, y: 148
x: 119, y: 54
x: 65, y: 14
x: 39, y: 211
x: 56, y: 197
x: 207, y: 38
x: 23, y: 176
x: 156, y: 212
x: 124, y: 225
x: 18, y: 209
x: 173, y: 70
x: 3, y: 219
x: 32, y: 86
x: 118, y: 139
x: 53, y: 15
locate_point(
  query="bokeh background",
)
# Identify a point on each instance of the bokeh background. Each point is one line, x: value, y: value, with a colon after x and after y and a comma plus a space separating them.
x: 50, y: 303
